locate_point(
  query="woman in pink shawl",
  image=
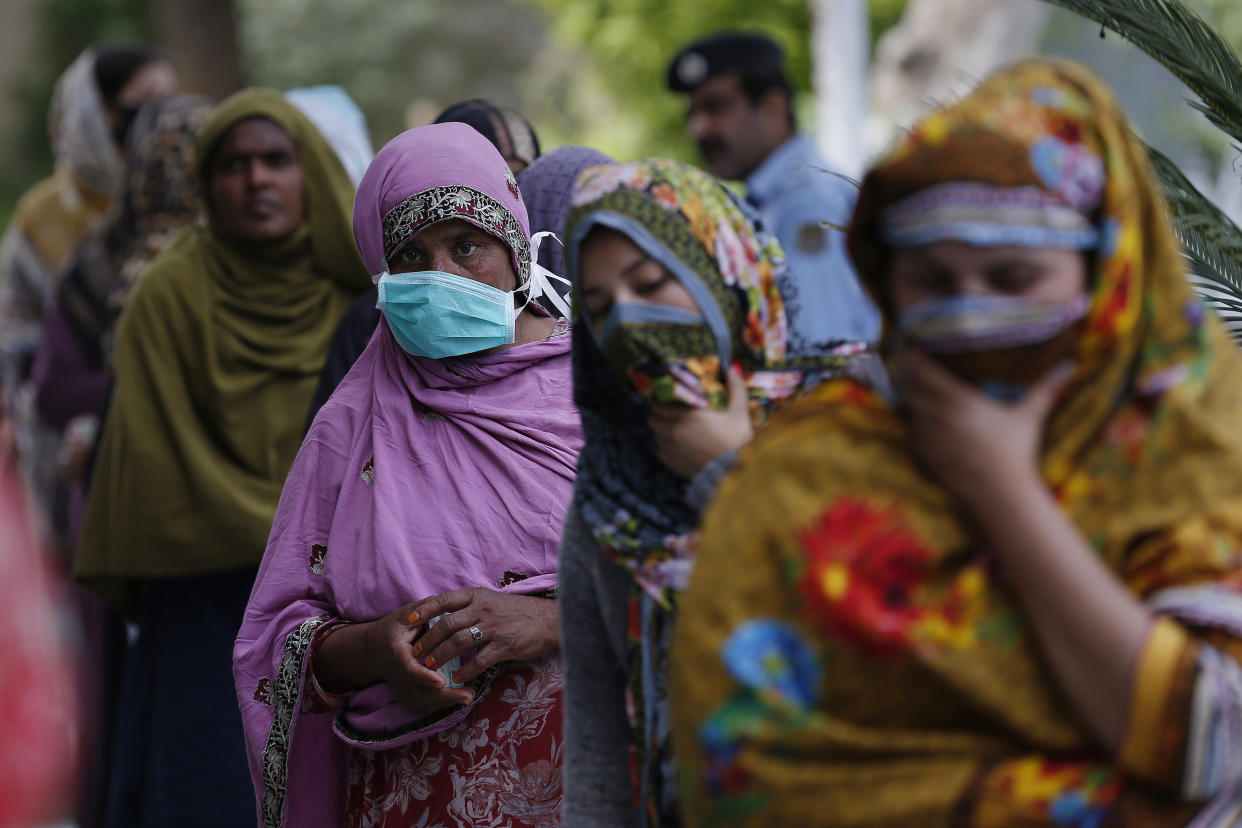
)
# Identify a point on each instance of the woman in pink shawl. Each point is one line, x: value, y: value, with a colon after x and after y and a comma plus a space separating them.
x: 434, y: 480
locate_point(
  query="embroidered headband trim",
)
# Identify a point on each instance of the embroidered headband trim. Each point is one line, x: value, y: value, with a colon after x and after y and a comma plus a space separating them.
x: 987, y: 216
x: 410, y: 216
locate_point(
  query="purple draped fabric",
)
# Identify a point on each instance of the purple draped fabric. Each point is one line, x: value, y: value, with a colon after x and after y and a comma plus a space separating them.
x: 67, y: 385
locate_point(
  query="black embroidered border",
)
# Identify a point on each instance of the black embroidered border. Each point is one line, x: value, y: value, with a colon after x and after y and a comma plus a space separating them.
x: 289, y: 680
x: 408, y: 217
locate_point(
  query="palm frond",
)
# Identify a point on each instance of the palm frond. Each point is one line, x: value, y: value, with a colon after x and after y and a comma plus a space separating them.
x: 1211, y: 241
x: 1186, y: 45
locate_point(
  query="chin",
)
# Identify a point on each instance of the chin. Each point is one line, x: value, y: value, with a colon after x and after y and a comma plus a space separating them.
x: 266, y: 234
x: 725, y: 168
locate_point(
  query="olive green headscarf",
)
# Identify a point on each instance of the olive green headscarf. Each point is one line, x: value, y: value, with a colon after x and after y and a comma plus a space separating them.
x: 217, y: 356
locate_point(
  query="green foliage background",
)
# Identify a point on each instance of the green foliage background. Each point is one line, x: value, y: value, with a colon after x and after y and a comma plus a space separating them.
x: 584, y: 71
x: 63, y: 28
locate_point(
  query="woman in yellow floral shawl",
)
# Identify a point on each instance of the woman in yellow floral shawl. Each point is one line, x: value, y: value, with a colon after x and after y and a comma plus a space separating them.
x: 964, y: 610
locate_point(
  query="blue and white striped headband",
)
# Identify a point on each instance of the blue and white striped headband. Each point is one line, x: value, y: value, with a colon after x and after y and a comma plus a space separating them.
x: 986, y: 216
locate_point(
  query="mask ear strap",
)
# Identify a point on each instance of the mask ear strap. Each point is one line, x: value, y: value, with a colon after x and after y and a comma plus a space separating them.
x: 540, y: 283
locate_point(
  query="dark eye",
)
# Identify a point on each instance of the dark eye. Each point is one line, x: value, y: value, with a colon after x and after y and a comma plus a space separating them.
x: 650, y: 279
x: 278, y: 159
x: 1015, y: 279
x: 231, y: 164
x: 466, y: 248
x: 932, y: 280
x: 653, y: 287
x: 409, y: 255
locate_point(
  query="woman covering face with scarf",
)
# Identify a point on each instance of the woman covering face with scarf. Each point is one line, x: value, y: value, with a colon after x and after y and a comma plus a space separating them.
x: 398, y: 661
x: 679, y: 352
x: 1014, y: 599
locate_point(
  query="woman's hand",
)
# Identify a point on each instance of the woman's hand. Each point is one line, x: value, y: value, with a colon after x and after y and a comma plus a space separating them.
x: 79, y: 443
x: 973, y: 444
x: 511, y: 627
x: 1091, y: 629
x: 358, y: 656
x: 688, y: 439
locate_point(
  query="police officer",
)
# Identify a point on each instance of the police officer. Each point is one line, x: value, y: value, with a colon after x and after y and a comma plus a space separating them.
x: 741, y: 118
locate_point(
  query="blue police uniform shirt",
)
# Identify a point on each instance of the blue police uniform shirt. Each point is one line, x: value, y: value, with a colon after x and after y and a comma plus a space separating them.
x: 795, y: 194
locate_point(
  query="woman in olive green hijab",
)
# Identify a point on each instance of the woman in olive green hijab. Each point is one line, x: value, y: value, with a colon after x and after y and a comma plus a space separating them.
x: 217, y: 356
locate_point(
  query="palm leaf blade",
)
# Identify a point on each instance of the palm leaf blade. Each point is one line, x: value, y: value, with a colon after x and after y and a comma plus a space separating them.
x: 1211, y: 241
x: 1186, y: 45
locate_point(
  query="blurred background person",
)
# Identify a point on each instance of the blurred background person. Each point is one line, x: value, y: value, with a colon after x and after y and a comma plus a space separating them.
x: 215, y: 361
x: 38, y: 708
x: 1012, y: 599
x: 72, y: 374
x: 342, y: 123
x: 546, y: 186
x: 740, y: 115
x: 93, y: 106
x: 72, y: 368
x: 504, y: 126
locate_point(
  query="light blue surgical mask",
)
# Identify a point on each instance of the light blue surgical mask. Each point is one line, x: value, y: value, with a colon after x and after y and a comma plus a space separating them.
x: 436, y: 314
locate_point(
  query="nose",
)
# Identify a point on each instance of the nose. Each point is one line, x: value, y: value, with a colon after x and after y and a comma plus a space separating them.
x: 974, y: 284
x: 441, y: 259
x: 624, y: 293
x: 700, y: 126
x: 258, y: 174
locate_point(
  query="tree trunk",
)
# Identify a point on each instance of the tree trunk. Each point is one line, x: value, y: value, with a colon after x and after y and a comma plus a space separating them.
x: 201, y: 38
x: 839, y: 41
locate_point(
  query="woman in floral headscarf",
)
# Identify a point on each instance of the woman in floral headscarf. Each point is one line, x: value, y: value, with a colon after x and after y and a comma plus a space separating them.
x: 1015, y: 600
x: 679, y: 352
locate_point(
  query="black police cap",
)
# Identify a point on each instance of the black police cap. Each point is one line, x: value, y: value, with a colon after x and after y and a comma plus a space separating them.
x: 721, y: 53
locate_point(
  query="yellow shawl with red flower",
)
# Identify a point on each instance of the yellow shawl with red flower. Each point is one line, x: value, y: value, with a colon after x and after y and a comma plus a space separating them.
x: 848, y: 655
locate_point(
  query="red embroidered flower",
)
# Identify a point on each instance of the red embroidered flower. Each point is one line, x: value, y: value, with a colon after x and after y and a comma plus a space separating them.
x: 318, y: 553
x: 1115, y: 304
x: 634, y: 621
x: 642, y: 382
x: 754, y: 333
x: 1065, y: 128
x: 263, y: 691
x: 665, y: 196
x: 862, y: 569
